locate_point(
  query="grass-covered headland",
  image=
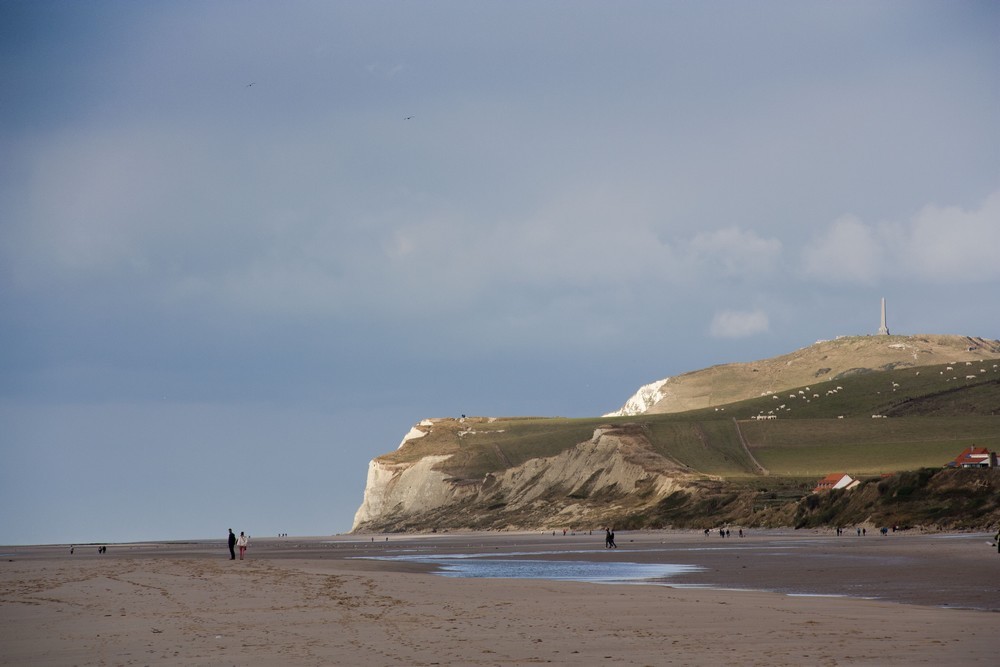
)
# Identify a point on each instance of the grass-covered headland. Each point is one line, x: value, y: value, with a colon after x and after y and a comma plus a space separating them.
x: 755, y: 462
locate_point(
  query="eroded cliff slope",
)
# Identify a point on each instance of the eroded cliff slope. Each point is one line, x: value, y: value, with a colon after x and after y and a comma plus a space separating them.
x: 868, y: 406
x: 616, y: 470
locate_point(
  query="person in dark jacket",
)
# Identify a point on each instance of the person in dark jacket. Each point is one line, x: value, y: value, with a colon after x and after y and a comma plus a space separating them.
x: 232, y: 545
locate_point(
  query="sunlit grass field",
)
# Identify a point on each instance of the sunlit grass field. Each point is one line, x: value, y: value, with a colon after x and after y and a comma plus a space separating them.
x: 932, y: 414
x: 866, y: 446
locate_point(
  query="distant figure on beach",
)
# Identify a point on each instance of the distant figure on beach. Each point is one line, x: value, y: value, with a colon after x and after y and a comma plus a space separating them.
x: 232, y: 545
x: 611, y: 539
x: 242, y: 542
x: 607, y: 538
x: 71, y: 548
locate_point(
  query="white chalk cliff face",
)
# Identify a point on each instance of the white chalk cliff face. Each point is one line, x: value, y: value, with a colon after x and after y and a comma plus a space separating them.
x: 576, y: 487
x: 403, y: 488
x: 646, y: 397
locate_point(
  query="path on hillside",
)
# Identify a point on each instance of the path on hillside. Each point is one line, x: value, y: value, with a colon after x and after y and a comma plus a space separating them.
x: 743, y: 442
x: 502, y: 456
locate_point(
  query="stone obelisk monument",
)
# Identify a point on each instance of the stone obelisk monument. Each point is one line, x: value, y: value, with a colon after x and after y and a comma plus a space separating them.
x: 883, y: 330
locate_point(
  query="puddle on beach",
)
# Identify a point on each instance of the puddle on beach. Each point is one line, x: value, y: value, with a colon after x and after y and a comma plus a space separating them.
x: 464, y: 566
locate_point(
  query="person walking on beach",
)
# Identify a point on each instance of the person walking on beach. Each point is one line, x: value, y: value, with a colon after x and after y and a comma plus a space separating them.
x: 611, y: 539
x: 232, y: 545
x: 242, y: 542
x: 607, y: 538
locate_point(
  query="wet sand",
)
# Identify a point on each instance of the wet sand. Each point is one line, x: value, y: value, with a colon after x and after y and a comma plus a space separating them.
x: 911, y: 599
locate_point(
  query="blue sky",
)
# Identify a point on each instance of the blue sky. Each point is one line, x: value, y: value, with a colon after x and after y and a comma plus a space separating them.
x: 221, y: 300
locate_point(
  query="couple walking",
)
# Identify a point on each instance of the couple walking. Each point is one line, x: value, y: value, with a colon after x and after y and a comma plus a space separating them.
x: 609, y: 539
x: 242, y: 541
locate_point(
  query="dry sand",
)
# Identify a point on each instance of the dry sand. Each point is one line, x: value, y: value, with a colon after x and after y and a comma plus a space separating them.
x: 313, y: 602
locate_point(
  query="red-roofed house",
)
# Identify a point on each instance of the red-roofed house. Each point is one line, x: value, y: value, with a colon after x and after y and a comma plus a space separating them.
x: 836, y: 480
x: 975, y: 457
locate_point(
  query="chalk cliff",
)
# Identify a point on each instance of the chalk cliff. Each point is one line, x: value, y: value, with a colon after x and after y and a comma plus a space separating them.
x: 644, y: 466
x: 581, y: 487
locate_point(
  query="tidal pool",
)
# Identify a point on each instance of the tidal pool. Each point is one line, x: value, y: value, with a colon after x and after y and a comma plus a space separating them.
x: 469, y: 566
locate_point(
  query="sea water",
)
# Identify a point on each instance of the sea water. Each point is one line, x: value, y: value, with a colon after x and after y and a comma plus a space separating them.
x: 470, y: 566
x: 567, y: 570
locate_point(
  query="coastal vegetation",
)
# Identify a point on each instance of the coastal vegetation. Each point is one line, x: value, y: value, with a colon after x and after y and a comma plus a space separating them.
x: 753, y: 462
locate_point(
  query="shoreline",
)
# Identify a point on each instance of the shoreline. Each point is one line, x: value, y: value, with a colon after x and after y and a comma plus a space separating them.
x: 895, y: 568
x: 325, y: 600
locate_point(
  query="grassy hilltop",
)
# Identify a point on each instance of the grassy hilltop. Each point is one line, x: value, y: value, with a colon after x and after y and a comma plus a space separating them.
x: 822, y: 361
x: 755, y: 461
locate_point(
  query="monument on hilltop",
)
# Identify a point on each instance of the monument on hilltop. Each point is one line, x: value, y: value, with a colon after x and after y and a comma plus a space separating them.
x: 883, y: 330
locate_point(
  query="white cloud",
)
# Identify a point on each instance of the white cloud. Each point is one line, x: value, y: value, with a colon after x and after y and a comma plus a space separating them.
x: 738, y: 324
x: 735, y: 252
x: 953, y: 245
x: 385, y: 71
x: 938, y: 245
x: 849, y: 252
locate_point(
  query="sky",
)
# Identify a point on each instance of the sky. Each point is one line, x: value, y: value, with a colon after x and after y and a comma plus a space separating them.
x: 245, y: 246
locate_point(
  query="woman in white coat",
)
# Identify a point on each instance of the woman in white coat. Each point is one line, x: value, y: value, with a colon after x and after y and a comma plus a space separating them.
x: 242, y: 541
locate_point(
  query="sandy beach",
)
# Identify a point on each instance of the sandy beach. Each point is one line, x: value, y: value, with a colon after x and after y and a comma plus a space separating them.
x: 771, y: 598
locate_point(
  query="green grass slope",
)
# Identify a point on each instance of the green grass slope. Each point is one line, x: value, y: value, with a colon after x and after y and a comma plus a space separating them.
x: 830, y: 360
x: 828, y: 427
x: 760, y: 472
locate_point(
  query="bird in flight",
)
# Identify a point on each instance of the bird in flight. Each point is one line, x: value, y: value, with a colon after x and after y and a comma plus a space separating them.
x: 408, y: 118
x: 251, y: 83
